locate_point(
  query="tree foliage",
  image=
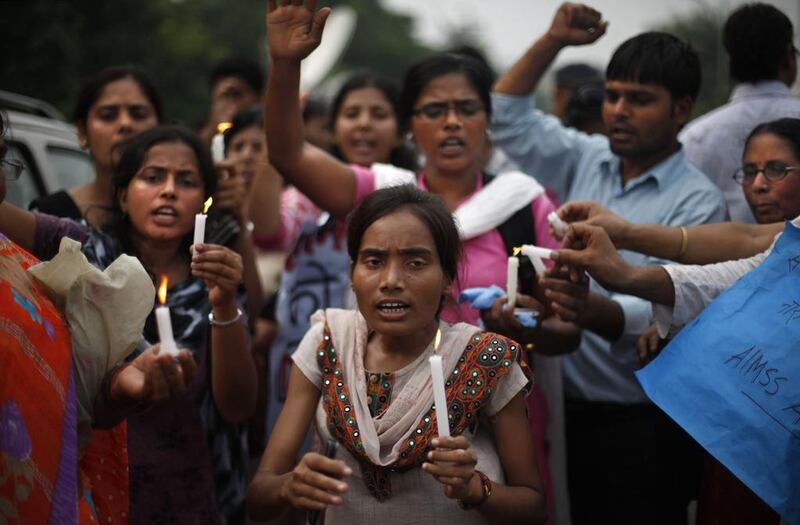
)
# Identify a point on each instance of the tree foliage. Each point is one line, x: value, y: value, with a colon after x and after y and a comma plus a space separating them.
x: 51, y: 46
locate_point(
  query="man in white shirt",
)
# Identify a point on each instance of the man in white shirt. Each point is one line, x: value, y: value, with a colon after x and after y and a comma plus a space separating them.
x: 759, y: 41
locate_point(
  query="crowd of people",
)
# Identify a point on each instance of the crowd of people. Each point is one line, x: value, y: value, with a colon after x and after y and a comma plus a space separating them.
x: 397, y: 210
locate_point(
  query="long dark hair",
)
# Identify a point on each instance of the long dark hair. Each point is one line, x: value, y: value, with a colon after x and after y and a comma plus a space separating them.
x: 131, y: 154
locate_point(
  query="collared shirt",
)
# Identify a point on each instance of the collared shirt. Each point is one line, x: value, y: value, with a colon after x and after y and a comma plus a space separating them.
x: 697, y: 285
x: 580, y: 166
x: 714, y: 143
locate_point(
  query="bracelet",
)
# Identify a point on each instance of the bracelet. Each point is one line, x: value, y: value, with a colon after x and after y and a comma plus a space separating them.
x: 486, y: 484
x: 684, y: 244
x: 213, y: 321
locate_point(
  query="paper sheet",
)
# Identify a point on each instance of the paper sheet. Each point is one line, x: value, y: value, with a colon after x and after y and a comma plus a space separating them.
x: 731, y: 378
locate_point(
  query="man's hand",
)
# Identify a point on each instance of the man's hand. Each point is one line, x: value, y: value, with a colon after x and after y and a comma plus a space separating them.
x: 590, y: 249
x: 594, y: 214
x: 576, y: 25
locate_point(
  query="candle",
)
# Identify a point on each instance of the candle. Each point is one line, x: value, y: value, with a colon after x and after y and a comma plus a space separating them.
x: 511, y: 280
x: 439, y: 397
x: 218, y: 142
x: 559, y: 226
x: 164, y: 322
x: 200, y: 223
x: 536, y: 254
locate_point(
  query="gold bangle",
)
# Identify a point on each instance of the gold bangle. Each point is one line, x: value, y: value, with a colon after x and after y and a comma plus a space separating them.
x: 684, y: 244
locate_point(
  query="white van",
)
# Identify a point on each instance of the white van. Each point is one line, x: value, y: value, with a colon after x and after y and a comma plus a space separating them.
x: 40, y: 138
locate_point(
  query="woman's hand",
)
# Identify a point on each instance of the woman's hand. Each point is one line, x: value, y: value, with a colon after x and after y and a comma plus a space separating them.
x: 221, y: 269
x: 500, y: 318
x: 594, y: 214
x: 294, y: 29
x: 315, y: 482
x: 232, y: 191
x: 154, y: 378
x: 452, y: 463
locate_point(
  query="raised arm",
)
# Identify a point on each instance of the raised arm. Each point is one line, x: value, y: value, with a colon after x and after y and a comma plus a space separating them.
x: 293, y: 32
x: 573, y: 25
x: 705, y: 244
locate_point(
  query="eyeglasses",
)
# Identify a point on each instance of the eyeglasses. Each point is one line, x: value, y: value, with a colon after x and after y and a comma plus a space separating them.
x: 773, y: 171
x: 437, y: 110
x: 11, y: 169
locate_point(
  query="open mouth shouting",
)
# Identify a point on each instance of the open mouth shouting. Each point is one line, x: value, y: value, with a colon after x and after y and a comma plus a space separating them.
x: 392, y: 310
x: 165, y: 215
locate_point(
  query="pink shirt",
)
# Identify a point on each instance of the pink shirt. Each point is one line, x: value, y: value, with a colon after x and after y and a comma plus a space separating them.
x: 485, y: 258
x: 295, y: 210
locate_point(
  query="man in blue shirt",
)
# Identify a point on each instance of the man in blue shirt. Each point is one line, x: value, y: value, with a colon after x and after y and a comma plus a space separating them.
x: 627, y: 463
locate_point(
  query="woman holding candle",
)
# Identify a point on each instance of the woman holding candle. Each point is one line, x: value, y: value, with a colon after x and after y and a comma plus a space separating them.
x: 162, y: 178
x: 38, y: 401
x: 363, y: 377
x: 445, y: 104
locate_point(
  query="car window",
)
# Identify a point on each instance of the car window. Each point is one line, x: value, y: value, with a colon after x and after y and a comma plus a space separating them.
x: 72, y: 167
x: 22, y: 191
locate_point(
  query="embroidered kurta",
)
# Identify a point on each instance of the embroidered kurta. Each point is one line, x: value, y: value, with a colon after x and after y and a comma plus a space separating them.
x: 395, y: 441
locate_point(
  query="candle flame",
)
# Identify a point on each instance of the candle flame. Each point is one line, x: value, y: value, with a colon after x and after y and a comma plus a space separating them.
x: 207, y: 204
x: 162, y: 290
x: 437, y: 340
x: 222, y: 127
x: 517, y: 250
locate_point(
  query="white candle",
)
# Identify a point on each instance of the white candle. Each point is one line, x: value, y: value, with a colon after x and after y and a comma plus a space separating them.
x: 218, y: 148
x: 164, y: 323
x: 511, y: 280
x: 199, y: 228
x: 200, y: 223
x: 165, y: 331
x: 536, y: 254
x: 439, y: 397
x: 559, y: 226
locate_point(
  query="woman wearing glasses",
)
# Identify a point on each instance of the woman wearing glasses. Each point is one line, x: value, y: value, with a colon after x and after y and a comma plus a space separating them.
x: 446, y: 106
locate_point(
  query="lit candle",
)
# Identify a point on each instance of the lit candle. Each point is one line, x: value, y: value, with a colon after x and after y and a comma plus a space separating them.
x: 536, y: 254
x: 218, y: 142
x: 200, y: 223
x: 511, y: 280
x: 164, y: 322
x: 439, y: 397
x: 559, y: 226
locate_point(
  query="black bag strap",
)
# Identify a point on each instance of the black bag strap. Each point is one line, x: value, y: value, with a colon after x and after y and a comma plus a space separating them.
x: 516, y: 231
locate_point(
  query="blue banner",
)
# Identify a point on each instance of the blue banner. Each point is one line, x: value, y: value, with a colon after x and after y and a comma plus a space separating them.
x: 731, y: 378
